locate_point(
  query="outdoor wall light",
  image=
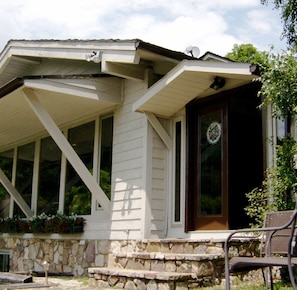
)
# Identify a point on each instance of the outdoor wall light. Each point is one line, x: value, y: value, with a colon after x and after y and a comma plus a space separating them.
x: 45, y: 265
x: 95, y: 56
x: 218, y: 83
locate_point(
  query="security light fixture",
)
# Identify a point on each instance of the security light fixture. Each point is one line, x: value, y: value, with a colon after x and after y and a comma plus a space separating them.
x: 218, y: 83
x: 95, y: 56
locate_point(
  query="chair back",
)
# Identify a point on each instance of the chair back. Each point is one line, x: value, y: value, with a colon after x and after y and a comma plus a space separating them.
x: 277, y: 242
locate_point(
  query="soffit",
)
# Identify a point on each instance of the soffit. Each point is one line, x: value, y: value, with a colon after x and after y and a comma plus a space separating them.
x: 189, y: 80
x: 66, y: 103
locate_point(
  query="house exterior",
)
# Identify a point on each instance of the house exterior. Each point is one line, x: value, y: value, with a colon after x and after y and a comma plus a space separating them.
x: 143, y: 142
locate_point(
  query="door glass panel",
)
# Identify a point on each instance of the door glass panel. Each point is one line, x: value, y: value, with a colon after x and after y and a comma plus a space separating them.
x: 210, y: 156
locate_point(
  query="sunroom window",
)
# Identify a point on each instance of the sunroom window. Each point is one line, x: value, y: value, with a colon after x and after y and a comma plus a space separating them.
x: 106, y: 154
x: 6, y: 163
x: 77, y: 196
x: 24, y: 174
x: 49, y: 177
x: 47, y: 181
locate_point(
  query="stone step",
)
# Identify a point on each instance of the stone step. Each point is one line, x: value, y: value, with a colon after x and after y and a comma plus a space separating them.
x: 202, y: 265
x: 169, y: 256
x: 139, y: 279
x: 142, y: 274
x: 201, y: 246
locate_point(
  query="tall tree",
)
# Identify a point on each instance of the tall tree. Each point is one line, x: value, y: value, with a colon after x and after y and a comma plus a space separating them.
x: 250, y: 54
x: 288, y: 10
x: 279, y: 84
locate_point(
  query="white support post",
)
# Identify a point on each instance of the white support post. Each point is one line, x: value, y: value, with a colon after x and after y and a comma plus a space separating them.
x: 159, y: 129
x: 67, y: 149
x: 15, y: 194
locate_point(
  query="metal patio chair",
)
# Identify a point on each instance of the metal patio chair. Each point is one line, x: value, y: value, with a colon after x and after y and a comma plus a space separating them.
x: 278, y: 241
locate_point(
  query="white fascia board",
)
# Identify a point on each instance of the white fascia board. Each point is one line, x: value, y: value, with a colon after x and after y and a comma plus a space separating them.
x: 214, y: 67
x: 74, y: 51
x: 124, y: 65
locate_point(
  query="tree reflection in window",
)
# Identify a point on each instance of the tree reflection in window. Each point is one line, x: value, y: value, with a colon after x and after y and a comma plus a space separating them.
x: 6, y: 162
x: 24, y: 174
x: 77, y: 196
x: 49, y: 177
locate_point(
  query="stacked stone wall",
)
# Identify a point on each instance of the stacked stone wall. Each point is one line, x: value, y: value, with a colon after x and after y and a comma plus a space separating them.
x: 75, y: 256
x: 64, y: 256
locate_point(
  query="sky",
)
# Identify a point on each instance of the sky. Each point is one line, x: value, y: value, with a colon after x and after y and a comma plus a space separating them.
x: 210, y: 25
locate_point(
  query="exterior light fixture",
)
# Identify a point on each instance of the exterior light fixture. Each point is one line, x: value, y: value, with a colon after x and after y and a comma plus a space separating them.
x: 95, y: 56
x: 218, y: 83
x: 45, y: 265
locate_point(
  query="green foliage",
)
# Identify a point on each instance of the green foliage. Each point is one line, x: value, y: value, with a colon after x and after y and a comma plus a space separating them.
x: 280, y: 84
x: 105, y: 182
x: 278, y: 188
x: 288, y: 10
x: 78, y: 200
x: 58, y: 223
x: 250, y: 54
x: 211, y: 205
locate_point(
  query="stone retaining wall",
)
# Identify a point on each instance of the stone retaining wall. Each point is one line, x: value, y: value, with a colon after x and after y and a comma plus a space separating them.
x: 64, y: 256
x: 75, y: 256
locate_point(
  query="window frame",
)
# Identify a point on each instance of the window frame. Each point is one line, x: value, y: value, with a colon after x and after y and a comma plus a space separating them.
x: 35, y: 177
x: 180, y: 222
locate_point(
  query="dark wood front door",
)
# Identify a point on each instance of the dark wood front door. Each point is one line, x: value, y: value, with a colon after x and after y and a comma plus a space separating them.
x: 209, y: 186
x: 224, y: 158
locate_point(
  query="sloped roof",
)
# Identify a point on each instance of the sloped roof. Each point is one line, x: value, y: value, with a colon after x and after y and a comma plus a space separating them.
x: 19, y: 56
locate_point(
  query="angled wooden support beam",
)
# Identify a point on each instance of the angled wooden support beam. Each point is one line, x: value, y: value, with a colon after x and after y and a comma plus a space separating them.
x: 159, y: 129
x: 15, y: 194
x: 67, y: 149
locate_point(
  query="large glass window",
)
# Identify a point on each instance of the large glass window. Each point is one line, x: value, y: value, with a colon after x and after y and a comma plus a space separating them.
x: 24, y: 174
x: 177, y: 195
x: 77, y: 196
x: 106, y: 155
x: 6, y: 163
x: 49, y: 177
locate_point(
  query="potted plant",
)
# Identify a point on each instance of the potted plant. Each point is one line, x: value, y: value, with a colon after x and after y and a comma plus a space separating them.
x: 8, y: 225
x: 59, y: 223
x: 37, y: 223
x: 77, y: 224
x: 23, y: 225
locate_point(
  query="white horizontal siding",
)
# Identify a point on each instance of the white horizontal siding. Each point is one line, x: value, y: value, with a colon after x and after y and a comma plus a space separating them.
x: 128, y: 164
x: 159, y: 186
